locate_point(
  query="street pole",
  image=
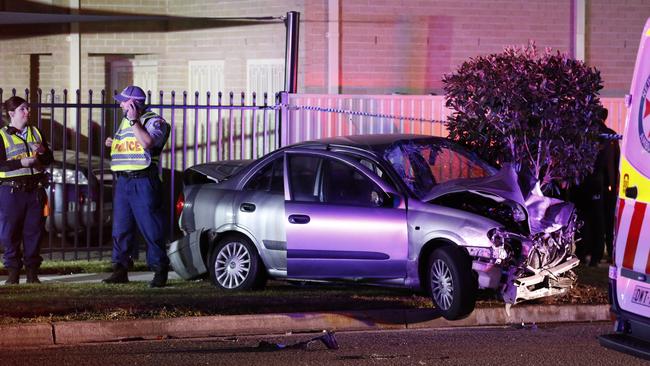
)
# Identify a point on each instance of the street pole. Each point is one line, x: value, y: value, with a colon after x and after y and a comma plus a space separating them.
x: 292, y: 23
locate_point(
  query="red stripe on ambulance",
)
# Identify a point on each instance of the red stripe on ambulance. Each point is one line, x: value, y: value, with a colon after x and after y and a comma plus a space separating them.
x: 633, y: 234
x: 621, y: 205
x: 647, y: 263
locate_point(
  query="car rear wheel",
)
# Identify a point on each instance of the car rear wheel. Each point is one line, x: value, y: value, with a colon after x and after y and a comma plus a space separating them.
x: 450, y: 282
x: 235, y: 265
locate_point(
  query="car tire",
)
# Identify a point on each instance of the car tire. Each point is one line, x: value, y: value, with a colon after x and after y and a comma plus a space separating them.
x: 235, y: 265
x: 450, y: 282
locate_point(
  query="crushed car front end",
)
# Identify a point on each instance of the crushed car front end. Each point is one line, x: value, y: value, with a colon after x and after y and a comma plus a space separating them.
x: 537, y: 265
x: 532, y: 244
x: 521, y: 242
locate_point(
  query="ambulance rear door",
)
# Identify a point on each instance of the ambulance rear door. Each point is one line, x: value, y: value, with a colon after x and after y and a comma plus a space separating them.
x: 632, y: 252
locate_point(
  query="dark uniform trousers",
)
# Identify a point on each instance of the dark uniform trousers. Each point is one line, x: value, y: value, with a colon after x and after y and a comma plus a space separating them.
x: 21, y: 222
x: 139, y: 201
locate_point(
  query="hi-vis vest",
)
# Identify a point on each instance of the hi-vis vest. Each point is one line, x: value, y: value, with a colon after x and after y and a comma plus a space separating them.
x: 17, y: 148
x: 127, y: 154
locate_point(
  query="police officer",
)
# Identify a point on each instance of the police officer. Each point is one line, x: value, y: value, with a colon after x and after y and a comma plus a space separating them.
x: 135, y: 155
x: 24, y: 154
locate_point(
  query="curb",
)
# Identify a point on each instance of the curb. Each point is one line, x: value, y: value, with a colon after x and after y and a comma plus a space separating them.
x: 76, y: 332
x: 31, y: 334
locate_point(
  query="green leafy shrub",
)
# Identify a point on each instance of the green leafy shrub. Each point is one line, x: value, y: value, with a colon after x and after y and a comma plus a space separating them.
x: 538, y: 111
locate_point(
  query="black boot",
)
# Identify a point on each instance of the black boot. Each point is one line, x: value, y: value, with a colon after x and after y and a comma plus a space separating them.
x: 32, y: 275
x: 14, y: 276
x: 119, y: 275
x: 159, y: 277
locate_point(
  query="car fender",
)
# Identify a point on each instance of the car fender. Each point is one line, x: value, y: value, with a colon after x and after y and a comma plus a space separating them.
x: 462, y: 228
x: 446, y: 235
x: 234, y: 228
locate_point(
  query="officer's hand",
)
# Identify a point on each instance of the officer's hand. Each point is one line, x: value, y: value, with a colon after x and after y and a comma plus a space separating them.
x: 109, y: 142
x: 130, y: 110
x: 27, y: 162
x: 38, y: 166
x: 39, y: 149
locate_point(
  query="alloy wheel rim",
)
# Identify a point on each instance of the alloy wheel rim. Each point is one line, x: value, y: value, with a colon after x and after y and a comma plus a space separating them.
x: 442, y: 284
x: 232, y: 265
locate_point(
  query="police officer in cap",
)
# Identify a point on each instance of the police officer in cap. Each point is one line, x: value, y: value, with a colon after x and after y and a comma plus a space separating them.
x: 24, y: 154
x: 135, y: 156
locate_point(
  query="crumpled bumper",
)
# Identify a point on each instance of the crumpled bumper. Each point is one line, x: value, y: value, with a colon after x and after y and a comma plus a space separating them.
x: 545, y: 282
x: 185, y: 256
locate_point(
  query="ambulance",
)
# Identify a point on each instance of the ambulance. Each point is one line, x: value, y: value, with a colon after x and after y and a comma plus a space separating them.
x: 629, y: 276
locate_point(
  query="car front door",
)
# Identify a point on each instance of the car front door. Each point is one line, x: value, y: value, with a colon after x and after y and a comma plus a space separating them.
x: 340, y: 222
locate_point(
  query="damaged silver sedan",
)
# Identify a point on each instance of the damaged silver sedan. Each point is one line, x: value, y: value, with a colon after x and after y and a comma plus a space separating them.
x: 395, y: 210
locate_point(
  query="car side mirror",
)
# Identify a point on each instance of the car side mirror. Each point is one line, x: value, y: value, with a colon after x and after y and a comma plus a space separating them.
x: 377, y: 198
x: 388, y: 200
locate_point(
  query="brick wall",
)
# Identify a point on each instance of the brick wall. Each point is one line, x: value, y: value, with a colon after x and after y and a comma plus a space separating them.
x: 103, y: 43
x: 232, y: 44
x: 385, y: 45
x: 612, y: 40
x: 15, y: 63
x: 313, y: 28
x: 390, y: 46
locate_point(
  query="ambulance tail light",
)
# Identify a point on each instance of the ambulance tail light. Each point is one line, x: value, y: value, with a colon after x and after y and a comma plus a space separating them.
x: 613, y: 272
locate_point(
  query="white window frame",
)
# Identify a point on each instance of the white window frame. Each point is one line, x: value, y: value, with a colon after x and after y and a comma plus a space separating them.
x: 274, y: 78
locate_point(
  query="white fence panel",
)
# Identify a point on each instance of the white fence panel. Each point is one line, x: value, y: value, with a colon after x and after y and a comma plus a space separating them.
x: 313, y: 116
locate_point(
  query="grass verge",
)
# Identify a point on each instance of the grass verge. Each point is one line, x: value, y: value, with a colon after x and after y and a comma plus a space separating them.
x: 76, y: 301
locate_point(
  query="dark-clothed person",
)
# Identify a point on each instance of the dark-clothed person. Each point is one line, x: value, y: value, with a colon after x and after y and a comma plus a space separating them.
x: 595, y: 199
x: 24, y: 155
x: 611, y: 155
x: 138, y: 201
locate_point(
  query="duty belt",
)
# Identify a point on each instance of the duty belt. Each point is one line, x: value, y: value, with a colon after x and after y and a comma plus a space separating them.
x: 149, y: 171
x: 24, y: 186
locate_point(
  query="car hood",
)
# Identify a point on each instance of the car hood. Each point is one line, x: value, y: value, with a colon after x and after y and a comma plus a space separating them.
x: 544, y: 214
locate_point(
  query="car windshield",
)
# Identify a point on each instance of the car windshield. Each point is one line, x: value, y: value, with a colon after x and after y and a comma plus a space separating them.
x: 423, y: 164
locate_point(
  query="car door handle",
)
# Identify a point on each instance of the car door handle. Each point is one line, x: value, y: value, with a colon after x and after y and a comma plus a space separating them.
x: 299, y: 219
x: 247, y: 207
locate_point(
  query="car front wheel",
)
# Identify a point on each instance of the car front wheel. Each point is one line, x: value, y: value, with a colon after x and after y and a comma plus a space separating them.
x: 450, y: 282
x: 235, y: 265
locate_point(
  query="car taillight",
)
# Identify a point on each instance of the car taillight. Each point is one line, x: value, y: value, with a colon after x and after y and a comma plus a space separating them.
x: 46, y: 207
x: 180, y: 202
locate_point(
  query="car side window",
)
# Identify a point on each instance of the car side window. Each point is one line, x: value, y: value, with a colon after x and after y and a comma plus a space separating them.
x: 346, y: 185
x: 303, y: 173
x: 316, y: 179
x: 269, y: 178
x: 373, y: 167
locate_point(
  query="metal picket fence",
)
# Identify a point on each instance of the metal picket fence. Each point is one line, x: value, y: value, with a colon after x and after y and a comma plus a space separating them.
x: 223, y: 127
x: 206, y: 127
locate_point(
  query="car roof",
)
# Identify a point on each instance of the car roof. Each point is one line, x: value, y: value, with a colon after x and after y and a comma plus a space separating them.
x: 376, y: 143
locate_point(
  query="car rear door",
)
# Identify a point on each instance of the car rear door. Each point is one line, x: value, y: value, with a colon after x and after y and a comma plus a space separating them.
x: 341, y: 221
x: 259, y: 211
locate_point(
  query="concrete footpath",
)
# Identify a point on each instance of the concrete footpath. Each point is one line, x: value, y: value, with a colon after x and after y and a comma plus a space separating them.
x: 90, y: 277
x: 75, y: 332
